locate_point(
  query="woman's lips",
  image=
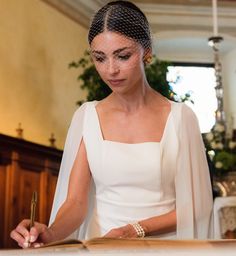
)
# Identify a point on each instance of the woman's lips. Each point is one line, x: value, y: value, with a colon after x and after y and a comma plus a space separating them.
x: 116, y: 81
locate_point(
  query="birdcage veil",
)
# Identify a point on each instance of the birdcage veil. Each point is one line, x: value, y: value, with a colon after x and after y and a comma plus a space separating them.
x: 126, y: 19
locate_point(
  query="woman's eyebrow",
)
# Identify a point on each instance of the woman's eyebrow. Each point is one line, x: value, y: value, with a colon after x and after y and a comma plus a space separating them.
x: 98, y: 52
x: 120, y: 50
x: 114, y: 53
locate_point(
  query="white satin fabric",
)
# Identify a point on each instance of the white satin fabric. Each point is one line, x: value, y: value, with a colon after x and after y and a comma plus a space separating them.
x: 137, y: 181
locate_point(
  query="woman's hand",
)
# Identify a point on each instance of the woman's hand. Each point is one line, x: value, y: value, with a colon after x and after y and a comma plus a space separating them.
x: 37, y: 236
x: 126, y: 231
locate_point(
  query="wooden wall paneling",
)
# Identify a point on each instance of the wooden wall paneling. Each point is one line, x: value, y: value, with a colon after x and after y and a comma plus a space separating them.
x: 43, y: 194
x: 47, y: 190
x: 2, y: 200
x: 28, y: 183
x: 25, y: 167
x: 11, y: 202
x: 51, y: 191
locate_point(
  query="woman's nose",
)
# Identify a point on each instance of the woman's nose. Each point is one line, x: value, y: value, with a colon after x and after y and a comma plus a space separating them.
x: 113, y: 68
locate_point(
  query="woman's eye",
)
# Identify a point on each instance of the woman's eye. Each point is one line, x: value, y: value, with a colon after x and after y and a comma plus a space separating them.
x: 99, y: 59
x: 124, y: 57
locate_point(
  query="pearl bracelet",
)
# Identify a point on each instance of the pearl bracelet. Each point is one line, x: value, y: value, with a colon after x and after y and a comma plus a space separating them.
x: 139, y: 229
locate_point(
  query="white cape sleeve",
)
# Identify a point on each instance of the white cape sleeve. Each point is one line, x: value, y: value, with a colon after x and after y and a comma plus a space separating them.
x: 194, y: 201
x: 74, y: 136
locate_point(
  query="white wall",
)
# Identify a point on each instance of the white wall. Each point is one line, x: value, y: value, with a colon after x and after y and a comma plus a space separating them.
x: 183, y: 46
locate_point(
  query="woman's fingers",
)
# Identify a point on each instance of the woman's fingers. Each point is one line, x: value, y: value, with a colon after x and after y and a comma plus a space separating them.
x: 37, y: 245
x: 17, y: 237
x: 126, y: 231
x: 22, y: 228
x: 37, y: 235
x: 36, y: 230
x: 34, y: 233
x: 21, y: 234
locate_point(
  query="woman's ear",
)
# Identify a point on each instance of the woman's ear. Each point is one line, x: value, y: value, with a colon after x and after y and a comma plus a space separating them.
x: 147, y: 58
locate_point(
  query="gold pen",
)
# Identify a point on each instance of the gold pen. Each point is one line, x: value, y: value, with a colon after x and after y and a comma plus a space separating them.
x: 32, y: 208
x: 32, y: 216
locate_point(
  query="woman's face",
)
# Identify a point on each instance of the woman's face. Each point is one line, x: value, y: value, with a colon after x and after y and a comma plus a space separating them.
x: 118, y: 60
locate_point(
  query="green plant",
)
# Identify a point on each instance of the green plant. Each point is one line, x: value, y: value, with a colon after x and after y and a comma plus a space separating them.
x: 221, y: 149
x: 97, y: 89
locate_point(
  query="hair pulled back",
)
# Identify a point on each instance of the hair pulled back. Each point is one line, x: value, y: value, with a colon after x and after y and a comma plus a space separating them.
x: 122, y: 17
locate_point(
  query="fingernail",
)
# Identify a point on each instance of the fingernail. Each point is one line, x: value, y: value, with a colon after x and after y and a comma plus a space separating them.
x: 32, y: 239
x: 27, y: 238
x: 37, y: 245
x: 26, y: 244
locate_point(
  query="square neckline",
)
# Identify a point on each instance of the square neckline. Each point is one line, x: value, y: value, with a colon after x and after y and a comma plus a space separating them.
x: 126, y: 143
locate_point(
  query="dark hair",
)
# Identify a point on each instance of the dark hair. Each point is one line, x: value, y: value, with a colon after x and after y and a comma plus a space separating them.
x: 123, y: 17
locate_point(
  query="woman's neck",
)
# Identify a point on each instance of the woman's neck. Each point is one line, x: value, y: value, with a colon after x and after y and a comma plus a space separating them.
x: 132, y: 101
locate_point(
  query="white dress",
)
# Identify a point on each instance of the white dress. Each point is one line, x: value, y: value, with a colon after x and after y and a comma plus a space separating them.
x: 127, y: 179
x: 132, y: 182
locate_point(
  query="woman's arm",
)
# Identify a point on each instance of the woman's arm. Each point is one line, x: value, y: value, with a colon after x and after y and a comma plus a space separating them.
x: 160, y: 224
x: 70, y: 215
x: 152, y: 226
x: 74, y: 209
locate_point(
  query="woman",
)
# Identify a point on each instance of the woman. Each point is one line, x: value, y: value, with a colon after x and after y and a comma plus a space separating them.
x: 134, y: 163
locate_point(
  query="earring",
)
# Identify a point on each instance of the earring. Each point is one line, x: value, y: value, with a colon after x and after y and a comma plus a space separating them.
x: 148, y: 60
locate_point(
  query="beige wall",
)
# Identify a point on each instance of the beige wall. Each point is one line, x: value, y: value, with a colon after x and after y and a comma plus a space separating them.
x: 36, y: 86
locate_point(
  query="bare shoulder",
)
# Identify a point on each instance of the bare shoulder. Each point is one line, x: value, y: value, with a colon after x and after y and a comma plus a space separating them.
x: 103, y: 106
x: 158, y: 102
